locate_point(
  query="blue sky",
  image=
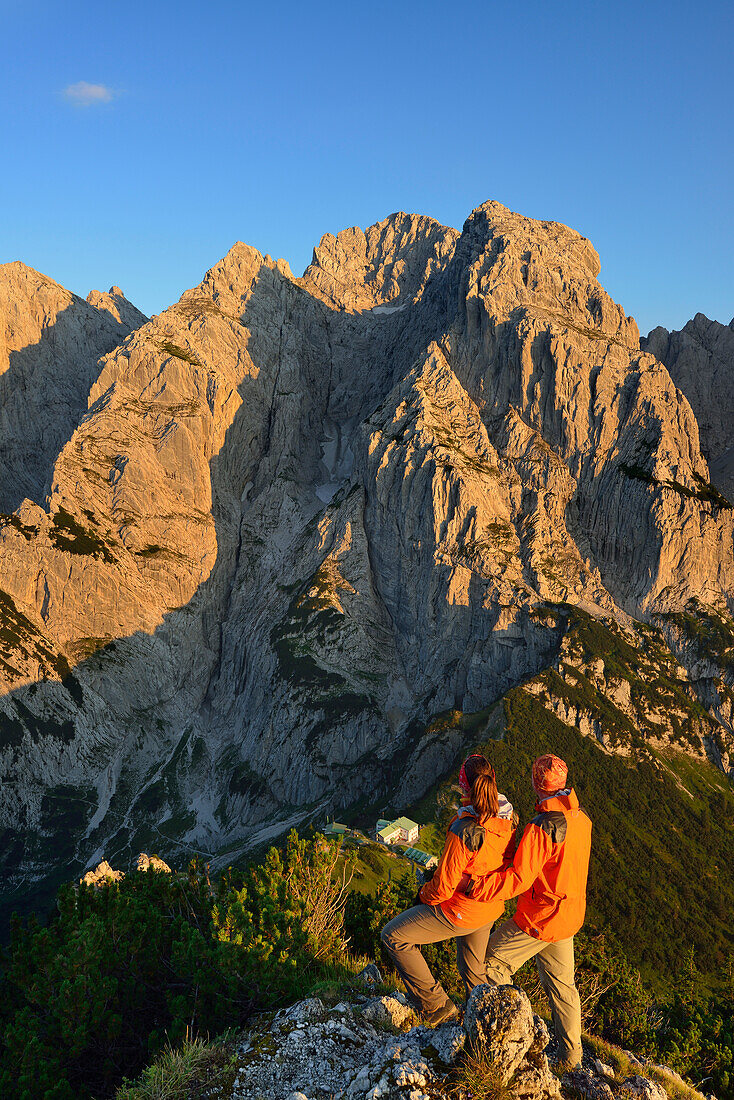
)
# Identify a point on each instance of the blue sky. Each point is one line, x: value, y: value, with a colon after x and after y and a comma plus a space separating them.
x: 141, y: 140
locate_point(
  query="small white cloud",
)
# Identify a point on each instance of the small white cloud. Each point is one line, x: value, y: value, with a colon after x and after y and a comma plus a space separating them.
x: 83, y: 94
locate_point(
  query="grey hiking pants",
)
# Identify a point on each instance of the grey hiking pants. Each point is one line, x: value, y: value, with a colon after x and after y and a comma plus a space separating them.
x: 509, y: 947
x: 402, y: 938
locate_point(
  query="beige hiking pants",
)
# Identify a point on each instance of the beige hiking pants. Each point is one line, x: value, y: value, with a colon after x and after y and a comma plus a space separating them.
x: 509, y: 947
x: 402, y: 938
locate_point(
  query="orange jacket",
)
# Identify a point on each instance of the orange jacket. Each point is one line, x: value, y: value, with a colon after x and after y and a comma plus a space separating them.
x: 471, y: 851
x: 549, y: 871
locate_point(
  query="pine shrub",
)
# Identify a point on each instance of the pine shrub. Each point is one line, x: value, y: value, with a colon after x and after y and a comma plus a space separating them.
x: 121, y: 970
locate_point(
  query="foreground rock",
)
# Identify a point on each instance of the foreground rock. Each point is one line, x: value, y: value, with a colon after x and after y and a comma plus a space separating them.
x: 354, y: 1051
x: 344, y: 1051
x: 504, y: 1032
x: 348, y: 1051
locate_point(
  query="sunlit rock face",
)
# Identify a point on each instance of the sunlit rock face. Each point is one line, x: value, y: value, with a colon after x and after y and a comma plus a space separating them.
x: 292, y: 520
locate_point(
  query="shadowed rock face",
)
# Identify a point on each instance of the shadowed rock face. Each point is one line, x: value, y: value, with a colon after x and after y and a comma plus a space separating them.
x: 50, y: 342
x: 302, y: 517
x: 700, y: 358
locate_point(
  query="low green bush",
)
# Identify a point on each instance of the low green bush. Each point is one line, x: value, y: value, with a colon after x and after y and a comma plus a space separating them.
x: 122, y: 969
x: 122, y: 972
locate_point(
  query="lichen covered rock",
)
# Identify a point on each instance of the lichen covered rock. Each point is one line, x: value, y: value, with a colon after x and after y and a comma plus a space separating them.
x: 393, y: 1010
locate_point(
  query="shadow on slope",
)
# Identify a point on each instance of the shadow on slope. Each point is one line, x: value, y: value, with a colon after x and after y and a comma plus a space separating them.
x: 43, y: 397
x: 112, y: 757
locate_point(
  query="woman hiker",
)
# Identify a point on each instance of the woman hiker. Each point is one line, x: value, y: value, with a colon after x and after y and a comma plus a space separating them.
x: 478, y: 842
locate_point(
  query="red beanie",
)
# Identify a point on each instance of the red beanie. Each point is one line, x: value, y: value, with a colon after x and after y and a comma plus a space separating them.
x: 549, y: 774
x: 464, y: 781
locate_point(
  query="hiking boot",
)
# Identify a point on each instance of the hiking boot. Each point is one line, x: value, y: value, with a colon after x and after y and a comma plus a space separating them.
x: 441, y: 1015
x: 560, y: 1065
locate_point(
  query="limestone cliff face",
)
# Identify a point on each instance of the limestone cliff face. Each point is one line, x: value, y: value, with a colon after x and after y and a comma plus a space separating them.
x: 700, y: 358
x: 302, y: 517
x: 385, y: 267
x: 50, y: 341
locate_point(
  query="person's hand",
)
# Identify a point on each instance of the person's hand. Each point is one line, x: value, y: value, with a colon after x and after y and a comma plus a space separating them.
x: 422, y: 877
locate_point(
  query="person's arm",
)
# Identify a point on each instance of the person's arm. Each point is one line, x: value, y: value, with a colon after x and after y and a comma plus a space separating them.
x: 508, y: 854
x: 447, y: 875
x: 532, y: 853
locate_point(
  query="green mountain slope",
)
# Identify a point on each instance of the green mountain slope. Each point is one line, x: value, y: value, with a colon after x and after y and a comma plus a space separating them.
x: 662, y: 874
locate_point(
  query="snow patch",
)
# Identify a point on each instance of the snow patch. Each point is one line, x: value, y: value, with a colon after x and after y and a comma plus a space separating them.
x: 327, y: 491
x: 337, y: 458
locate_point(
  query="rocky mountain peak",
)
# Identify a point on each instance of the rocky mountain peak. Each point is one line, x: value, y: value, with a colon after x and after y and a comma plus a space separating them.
x: 544, y: 268
x: 384, y: 266
x: 50, y: 341
x: 117, y: 305
x: 230, y: 282
x: 28, y: 301
x: 570, y: 248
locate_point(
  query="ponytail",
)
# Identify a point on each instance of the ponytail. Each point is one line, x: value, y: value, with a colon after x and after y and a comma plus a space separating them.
x: 481, y: 776
x: 484, y: 797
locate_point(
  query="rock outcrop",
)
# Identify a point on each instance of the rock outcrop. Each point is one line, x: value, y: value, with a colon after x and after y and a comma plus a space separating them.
x: 152, y: 863
x: 301, y: 518
x: 503, y: 1031
x: 103, y: 873
x: 351, y: 1051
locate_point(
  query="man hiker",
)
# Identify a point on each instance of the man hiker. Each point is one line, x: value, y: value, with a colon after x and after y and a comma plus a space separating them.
x: 549, y: 872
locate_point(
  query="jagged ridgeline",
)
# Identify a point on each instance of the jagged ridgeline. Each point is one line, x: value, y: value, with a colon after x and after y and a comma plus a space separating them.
x: 279, y: 550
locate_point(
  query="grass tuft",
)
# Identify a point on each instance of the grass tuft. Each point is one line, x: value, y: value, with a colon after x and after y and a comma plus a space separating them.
x: 477, y: 1076
x: 178, y: 352
x: 624, y: 1067
x: 612, y: 1056
x: 196, y: 1069
x: 673, y: 1085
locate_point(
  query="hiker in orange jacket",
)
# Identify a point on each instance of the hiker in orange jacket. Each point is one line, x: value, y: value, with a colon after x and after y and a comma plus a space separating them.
x: 477, y: 842
x: 549, y: 872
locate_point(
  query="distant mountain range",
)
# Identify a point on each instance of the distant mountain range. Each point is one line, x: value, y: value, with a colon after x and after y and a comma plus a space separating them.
x: 277, y: 551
